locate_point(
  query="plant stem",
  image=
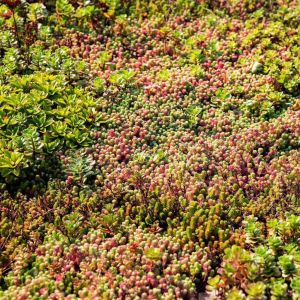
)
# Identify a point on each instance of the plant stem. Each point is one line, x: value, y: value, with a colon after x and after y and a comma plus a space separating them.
x: 16, y: 29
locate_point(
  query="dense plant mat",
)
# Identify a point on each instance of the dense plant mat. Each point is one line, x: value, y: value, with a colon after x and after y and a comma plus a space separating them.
x: 149, y: 149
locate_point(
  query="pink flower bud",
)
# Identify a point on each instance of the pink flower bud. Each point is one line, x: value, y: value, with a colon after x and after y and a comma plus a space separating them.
x: 43, y: 291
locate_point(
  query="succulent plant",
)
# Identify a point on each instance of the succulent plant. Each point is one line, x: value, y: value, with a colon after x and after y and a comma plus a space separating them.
x: 148, y: 151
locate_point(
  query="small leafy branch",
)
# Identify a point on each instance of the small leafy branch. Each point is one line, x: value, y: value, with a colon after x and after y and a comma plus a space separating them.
x: 81, y: 167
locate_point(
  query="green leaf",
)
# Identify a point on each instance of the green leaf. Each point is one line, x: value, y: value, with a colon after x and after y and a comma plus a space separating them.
x: 6, y: 172
x: 153, y: 254
x: 256, y: 67
x: 159, y: 156
x: 32, y: 141
x: 64, y: 8
x: 16, y: 172
x: 37, y: 11
x: 255, y: 289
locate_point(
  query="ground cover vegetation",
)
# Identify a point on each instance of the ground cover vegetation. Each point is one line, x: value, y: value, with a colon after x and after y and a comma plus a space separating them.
x: 149, y: 149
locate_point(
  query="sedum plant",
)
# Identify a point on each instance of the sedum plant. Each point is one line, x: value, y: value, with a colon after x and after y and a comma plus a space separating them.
x: 149, y: 150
